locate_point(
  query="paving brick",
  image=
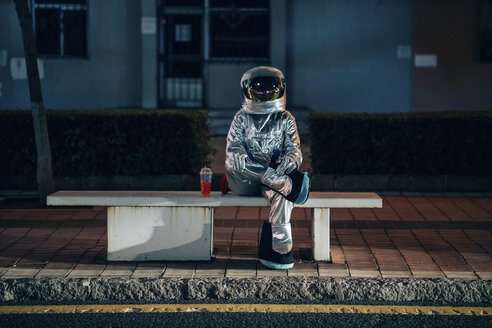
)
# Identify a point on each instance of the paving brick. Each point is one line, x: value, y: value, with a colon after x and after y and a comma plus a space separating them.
x: 360, y: 273
x: 404, y: 209
x: 264, y: 214
x: 245, y: 242
x: 248, y: 213
x: 123, y: 269
x: 60, y: 265
x: 485, y: 203
x: 84, y: 214
x: 41, y: 232
x: 335, y: 270
x: 420, y: 274
x: 244, y: 251
x: 337, y: 255
x: 241, y: 268
x: 3, y: 269
x: 482, y: 237
x: 485, y: 275
x: 214, y: 269
x: 180, y: 269
x: 31, y: 263
x: 225, y: 213
x: 298, y: 214
x: 15, y: 232
x: 101, y: 215
x: 19, y: 273
x: 303, y: 270
x: 460, y: 275
x: 53, y: 273
x: 363, y: 214
x: 340, y: 214
x: 264, y: 272
x: 453, y: 212
x: 386, y: 213
x: 82, y: 270
x: 16, y: 214
x: 66, y: 232
x: 221, y: 251
x: 427, y: 209
x: 37, y: 215
x: 149, y: 270
x: 396, y: 274
x: 7, y: 261
x: 390, y: 193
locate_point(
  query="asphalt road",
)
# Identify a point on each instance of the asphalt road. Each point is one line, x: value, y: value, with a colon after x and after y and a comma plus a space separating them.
x: 262, y: 320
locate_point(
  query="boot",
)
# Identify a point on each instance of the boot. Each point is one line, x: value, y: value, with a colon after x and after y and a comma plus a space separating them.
x: 293, y: 186
x: 300, y: 187
x: 270, y: 258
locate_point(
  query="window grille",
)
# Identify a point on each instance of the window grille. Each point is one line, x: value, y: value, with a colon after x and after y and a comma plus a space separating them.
x: 60, y: 27
x: 239, y: 30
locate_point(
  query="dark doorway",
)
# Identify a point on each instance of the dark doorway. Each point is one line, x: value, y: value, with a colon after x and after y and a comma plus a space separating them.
x: 180, y: 54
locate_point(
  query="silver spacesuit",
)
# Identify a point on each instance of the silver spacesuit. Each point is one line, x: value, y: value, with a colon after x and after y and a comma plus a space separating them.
x: 263, y: 146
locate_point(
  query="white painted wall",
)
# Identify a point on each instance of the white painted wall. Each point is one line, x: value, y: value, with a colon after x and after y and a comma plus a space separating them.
x: 342, y: 55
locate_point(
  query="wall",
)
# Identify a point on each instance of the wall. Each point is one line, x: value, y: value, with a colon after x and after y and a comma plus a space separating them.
x: 15, y: 93
x: 342, y: 55
x: 109, y: 78
x: 449, y: 29
x: 223, y: 84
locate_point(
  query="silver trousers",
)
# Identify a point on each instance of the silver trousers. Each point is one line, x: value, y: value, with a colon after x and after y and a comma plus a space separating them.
x: 252, y: 180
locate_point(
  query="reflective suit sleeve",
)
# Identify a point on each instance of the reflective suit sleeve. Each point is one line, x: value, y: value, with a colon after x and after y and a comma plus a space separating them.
x: 292, y: 156
x: 236, y: 155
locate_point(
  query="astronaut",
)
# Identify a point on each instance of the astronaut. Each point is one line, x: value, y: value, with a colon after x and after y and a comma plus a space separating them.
x: 263, y: 156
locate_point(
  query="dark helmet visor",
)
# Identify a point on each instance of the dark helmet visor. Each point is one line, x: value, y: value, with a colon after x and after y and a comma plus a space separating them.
x: 263, y: 88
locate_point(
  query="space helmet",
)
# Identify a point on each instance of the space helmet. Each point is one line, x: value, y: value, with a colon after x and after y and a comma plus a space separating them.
x: 263, y: 90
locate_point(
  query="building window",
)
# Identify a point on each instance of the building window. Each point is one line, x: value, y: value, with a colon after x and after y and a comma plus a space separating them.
x: 486, y: 31
x: 239, y: 30
x: 61, y: 27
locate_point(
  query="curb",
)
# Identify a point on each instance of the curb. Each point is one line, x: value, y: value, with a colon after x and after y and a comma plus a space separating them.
x: 261, y: 290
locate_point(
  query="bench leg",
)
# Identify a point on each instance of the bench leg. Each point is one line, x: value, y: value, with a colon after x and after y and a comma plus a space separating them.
x: 320, y: 234
x: 144, y: 233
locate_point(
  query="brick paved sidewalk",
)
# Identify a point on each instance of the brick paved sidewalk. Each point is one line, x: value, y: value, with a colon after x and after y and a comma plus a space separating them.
x: 411, y: 236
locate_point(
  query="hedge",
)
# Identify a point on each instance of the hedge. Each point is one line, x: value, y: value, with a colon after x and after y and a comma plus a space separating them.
x: 107, y: 143
x: 437, y: 143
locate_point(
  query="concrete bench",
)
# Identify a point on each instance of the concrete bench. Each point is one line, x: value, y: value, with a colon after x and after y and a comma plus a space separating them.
x: 178, y: 225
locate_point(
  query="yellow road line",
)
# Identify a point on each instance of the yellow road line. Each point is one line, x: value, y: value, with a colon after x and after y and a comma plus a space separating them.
x: 248, y: 308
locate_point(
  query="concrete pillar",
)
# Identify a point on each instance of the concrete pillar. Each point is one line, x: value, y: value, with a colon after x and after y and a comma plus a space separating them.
x: 149, y: 54
x: 320, y: 234
x: 152, y: 233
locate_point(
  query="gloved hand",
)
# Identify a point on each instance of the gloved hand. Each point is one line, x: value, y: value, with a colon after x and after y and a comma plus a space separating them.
x: 287, y: 165
x: 239, y: 161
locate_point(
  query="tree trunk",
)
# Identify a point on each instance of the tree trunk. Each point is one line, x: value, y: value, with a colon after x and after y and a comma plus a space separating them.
x: 46, y: 184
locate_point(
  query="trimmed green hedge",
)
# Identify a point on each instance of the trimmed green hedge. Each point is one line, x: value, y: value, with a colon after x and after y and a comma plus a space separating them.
x: 451, y: 143
x: 110, y: 142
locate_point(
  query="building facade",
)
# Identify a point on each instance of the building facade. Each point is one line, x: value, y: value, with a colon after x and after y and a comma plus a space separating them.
x: 338, y: 56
